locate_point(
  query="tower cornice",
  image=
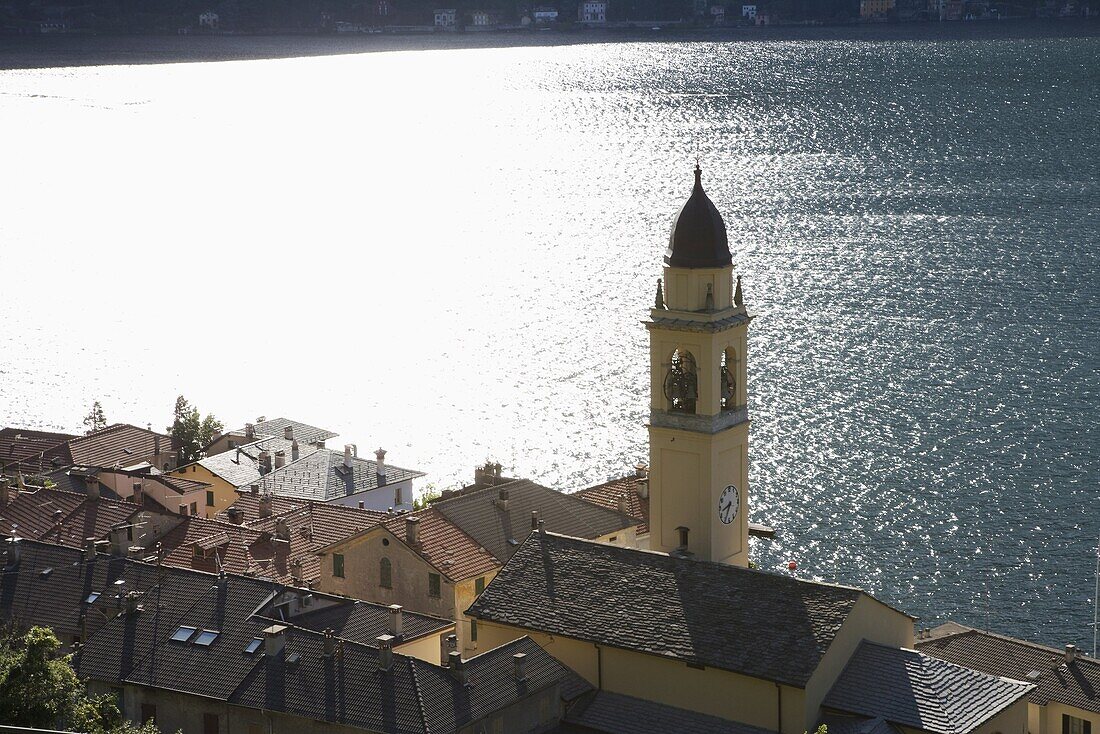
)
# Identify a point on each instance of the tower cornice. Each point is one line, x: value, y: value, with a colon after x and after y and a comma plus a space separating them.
x: 698, y: 321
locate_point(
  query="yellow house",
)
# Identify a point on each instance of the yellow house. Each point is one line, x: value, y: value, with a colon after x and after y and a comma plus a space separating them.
x: 1066, y: 699
x: 745, y: 646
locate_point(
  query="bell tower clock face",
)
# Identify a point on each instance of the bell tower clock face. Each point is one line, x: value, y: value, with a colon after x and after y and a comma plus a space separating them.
x: 728, y: 504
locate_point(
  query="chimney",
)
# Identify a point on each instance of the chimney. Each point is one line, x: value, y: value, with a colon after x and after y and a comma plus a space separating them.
x: 274, y: 639
x: 458, y: 666
x: 348, y: 454
x: 282, y: 530
x: 502, y: 499
x: 91, y: 482
x: 5, y: 492
x: 542, y: 526
x: 330, y: 639
x: 448, y: 643
x: 15, y: 551
x: 89, y: 549
x: 183, y: 510
x: 380, y: 459
x: 294, y: 450
x: 265, y: 505
x: 643, y: 487
x: 138, y: 496
x: 624, y: 507
x: 296, y: 570
x: 385, y: 652
x: 131, y: 601
x: 396, y: 620
x: 249, y: 431
x: 519, y: 663
x: 412, y: 530
x: 288, y: 433
x: 235, y: 515
x: 641, y: 471
x: 1071, y: 653
x: 265, y: 462
x: 254, y: 489
x: 483, y: 475
x: 534, y: 519
x: 361, y: 505
x: 280, y: 459
x: 261, y: 419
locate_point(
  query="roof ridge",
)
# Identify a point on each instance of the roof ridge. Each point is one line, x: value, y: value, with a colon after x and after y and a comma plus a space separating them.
x: 1016, y: 640
x: 420, y: 705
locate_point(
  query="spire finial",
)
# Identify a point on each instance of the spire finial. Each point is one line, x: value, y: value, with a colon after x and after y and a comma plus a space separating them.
x: 659, y: 302
x: 738, y: 297
x: 698, y: 173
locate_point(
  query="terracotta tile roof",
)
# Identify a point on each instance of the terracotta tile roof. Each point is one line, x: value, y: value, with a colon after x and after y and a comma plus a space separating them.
x: 36, y: 514
x: 248, y: 552
x: 1073, y: 684
x: 751, y: 622
x: 483, y: 516
x: 911, y: 689
x: 608, y: 494
x: 614, y: 713
x: 24, y: 445
x: 443, y: 545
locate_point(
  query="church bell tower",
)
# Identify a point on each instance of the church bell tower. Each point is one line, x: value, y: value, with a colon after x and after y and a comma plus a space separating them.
x: 698, y: 419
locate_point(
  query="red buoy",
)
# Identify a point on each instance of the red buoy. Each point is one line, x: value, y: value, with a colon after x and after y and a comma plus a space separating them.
x: 792, y: 566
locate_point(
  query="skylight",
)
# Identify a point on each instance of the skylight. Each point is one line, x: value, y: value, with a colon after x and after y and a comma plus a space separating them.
x: 253, y: 645
x: 183, y: 633
x: 206, y: 638
x: 90, y: 599
x: 293, y: 658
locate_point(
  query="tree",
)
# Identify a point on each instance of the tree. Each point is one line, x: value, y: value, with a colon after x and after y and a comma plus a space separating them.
x: 95, y: 420
x: 39, y: 689
x: 191, y: 430
x: 428, y: 494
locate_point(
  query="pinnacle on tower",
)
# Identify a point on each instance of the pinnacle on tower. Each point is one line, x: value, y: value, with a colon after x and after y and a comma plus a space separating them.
x: 738, y: 297
x: 659, y: 303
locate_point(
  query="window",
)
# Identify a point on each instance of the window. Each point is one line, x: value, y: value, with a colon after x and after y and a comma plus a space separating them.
x: 433, y: 585
x: 397, y: 498
x: 479, y: 585
x: 338, y: 565
x: 209, y: 498
x: 210, y: 724
x: 385, y: 573
x: 148, y: 712
x: 183, y: 633
x: 206, y: 637
x: 1073, y: 725
x: 194, y: 508
x: 473, y: 630
x: 252, y: 646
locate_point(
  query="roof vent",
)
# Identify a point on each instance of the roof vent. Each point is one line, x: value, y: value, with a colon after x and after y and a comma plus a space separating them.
x: 1034, y: 675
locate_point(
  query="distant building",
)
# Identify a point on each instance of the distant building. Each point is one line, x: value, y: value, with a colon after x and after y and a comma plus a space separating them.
x: 545, y: 14
x: 718, y: 14
x: 592, y: 11
x: 748, y: 11
x: 446, y: 18
x: 209, y: 19
x: 875, y: 9
x: 480, y: 18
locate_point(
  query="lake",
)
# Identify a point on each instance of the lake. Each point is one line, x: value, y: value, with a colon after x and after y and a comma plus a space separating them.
x: 448, y: 252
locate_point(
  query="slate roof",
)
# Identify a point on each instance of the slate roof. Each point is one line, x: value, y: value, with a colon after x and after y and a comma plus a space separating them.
x: 751, y: 622
x: 1076, y: 684
x: 443, y: 545
x: 36, y: 515
x: 24, y: 445
x: 362, y: 621
x: 303, y: 432
x: 911, y: 689
x: 841, y: 724
x: 241, y: 466
x: 348, y: 688
x: 614, y: 713
x: 607, y: 495
x: 320, y: 476
x: 480, y: 515
x: 118, y: 443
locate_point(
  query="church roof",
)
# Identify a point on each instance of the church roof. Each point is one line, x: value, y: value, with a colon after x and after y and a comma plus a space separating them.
x: 752, y: 622
x: 698, y: 238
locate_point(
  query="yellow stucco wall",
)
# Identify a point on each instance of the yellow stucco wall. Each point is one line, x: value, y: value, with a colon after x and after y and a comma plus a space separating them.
x: 1048, y: 719
x: 428, y: 648
x: 225, y: 494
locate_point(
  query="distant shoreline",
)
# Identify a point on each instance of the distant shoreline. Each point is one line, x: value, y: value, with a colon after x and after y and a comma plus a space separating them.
x: 64, y: 50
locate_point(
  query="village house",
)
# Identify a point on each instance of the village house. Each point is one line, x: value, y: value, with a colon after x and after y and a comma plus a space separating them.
x: 545, y: 15
x: 144, y: 486
x: 592, y: 11
x: 290, y: 430
x: 1066, y: 698
x: 118, y: 445
x: 446, y: 18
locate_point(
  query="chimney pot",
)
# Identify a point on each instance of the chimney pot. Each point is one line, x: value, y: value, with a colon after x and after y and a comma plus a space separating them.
x: 1071, y: 653
x: 519, y: 661
x: 249, y: 431
x: 330, y: 642
x: 235, y: 515
x: 396, y: 620
x: 412, y: 530
x: 265, y: 505
x: 294, y: 450
x: 274, y: 639
x: 282, y: 529
x: 280, y: 459
x: 534, y: 519
x: 380, y: 460
x: 624, y: 506
x: 542, y: 526
x: 347, y: 455
x: 457, y: 666
x: 265, y: 462
x: 643, y: 488
x: 641, y: 471
x: 91, y: 482
x: 288, y: 433
x: 385, y: 651
x: 138, y: 495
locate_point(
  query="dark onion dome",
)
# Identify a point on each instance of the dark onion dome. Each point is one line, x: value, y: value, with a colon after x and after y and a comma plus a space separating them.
x: 698, y: 238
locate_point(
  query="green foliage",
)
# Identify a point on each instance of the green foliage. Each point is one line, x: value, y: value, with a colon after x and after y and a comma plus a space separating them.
x: 428, y: 494
x: 95, y: 420
x: 39, y: 689
x: 191, y: 430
